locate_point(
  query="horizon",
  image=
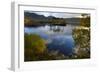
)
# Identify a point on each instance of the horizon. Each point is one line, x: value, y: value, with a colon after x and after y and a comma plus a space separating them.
x: 57, y: 14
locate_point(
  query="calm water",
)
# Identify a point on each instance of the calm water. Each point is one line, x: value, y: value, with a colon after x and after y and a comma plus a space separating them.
x: 58, y: 37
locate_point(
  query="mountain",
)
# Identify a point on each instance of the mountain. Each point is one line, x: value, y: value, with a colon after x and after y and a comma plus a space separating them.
x: 33, y: 15
x: 35, y: 19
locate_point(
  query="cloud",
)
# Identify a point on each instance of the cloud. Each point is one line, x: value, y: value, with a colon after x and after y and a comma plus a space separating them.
x: 57, y: 14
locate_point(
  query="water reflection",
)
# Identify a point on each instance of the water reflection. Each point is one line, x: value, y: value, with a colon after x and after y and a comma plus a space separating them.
x: 58, y: 37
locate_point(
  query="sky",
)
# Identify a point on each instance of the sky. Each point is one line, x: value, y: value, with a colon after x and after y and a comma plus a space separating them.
x: 58, y: 14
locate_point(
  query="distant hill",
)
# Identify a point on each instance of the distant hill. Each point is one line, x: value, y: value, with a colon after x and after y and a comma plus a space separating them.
x: 34, y: 16
x: 73, y: 21
x: 33, y: 19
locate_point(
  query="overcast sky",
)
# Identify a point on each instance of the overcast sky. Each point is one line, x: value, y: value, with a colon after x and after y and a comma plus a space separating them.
x: 58, y: 14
